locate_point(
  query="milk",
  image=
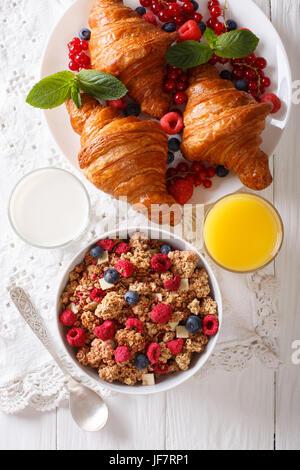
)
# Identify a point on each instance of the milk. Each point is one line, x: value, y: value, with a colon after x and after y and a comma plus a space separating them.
x: 49, y: 208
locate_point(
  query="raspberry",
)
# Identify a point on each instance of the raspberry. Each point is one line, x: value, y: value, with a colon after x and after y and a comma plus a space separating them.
x: 210, y: 325
x: 190, y: 31
x: 173, y: 284
x: 150, y: 17
x: 176, y: 345
x: 105, y: 331
x: 67, y: 318
x: 122, y: 354
x: 161, y: 368
x: 106, y: 244
x: 117, y: 104
x: 122, y: 248
x: 181, y: 190
x: 76, y: 337
x: 134, y: 323
x: 172, y: 123
x: 125, y: 267
x: 271, y: 98
x: 161, y: 313
x: 97, y: 295
x: 153, y: 352
x: 161, y: 263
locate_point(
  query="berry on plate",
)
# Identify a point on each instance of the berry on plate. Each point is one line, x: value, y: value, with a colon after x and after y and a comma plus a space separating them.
x: 180, y: 97
x: 106, y: 244
x: 134, y: 323
x: 174, y: 144
x: 67, y: 318
x: 172, y: 123
x: 122, y: 247
x: 169, y: 27
x: 132, y: 109
x: 122, y: 354
x: 181, y: 190
x: 105, y: 331
x: 231, y: 25
x: 153, y: 352
x: 161, y: 263
x: 173, y: 284
x: 141, y: 11
x: 125, y: 268
x: 117, y: 104
x: 241, y: 85
x: 76, y: 337
x: 96, y: 252
x: 84, y: 34
x: 190, y: 31
x: 176, y: 345
x: 150, y: 17
x: 161, y: 313
x: 226, y: 75
x: 170, y: 158
x: 271, y: 98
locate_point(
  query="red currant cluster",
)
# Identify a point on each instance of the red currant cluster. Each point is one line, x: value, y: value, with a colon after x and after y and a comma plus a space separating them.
x: 198, y: 174
x: 170, y: 10
x: 78, y: 58
x: 251, y: 69
x: 176, y: 82
x: 219, y: 27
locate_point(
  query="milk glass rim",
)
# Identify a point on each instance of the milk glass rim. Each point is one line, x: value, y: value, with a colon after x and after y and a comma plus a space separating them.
x: 45, y: 247
x: 268, y: 203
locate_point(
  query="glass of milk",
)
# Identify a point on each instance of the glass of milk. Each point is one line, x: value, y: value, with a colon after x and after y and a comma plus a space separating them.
x: 49, y: 208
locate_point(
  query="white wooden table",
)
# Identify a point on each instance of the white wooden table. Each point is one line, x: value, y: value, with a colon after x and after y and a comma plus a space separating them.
x: 254, y: 409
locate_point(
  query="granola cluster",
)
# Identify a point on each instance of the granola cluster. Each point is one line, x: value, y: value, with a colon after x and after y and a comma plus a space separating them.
x: 137, y: 309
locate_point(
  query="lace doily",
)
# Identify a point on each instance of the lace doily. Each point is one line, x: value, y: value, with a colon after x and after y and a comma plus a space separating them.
x: 28, y: 376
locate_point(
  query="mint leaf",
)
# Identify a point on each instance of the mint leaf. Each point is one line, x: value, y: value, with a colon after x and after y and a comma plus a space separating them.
x: 101, y: 85
x: 52, y: 91
x: 188, y: 54
x: 75, y: 95
x: 210, y: 37
x: 236, y: 44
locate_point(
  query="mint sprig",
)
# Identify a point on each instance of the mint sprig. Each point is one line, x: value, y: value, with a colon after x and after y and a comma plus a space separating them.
x: 232, y: 45
x: 54, y: 90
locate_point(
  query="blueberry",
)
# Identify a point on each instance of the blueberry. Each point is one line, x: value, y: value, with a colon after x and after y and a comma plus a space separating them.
x: 226, y: 75
x: 202, y: 26
x: 170, y: 158
x: 131, y: 297
x: 141, y: 10
x: 193, y: 324
x: 231, y: 25
x: 174, y: 144
x: 141, y: 362
x: 112, y: 276
x: 97, y: 252
x: 221, y: 171
x: 84, y: 34
x: 132, y: 109
x: 241, y: 85
x: 165, y: 249
x: 169, y: 27
x: 195, y: 5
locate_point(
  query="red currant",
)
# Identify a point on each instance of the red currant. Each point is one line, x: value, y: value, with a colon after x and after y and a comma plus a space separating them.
x: 172, y: 75
x: 198, y: 180
x: 84, y: 45
x: 145, y: 3
x: 118, y: 104
x: 197, y: 167
x: 213, y: 3
x: 250, y: 74
x: 74, y: 49
x: 163, y: 16
x: 169, y: 86
x: 191, y: 179
x: 187, y: 8
x: 179, y: 20
x: 75, y: 41
x: 155, y: 7
x: 197, y: 17
x: 238, y: 72
x: 250, y: 59
x: 181, y: 85
x: 182, y: 76
x: 150, y: 17
x: 174, y: 9
x: 180, y: 98
x: 183, y: 167
x: 171, y: 172
x: 207, y: 184
x: 73, y: 66
x: 266, y: 82
x: 219, y: 27
x: 215, y: 11
x: 211, y: 172
x: 260, y: 63
x: 211, y: 23
x: 202, y: 174
x: 222, y: 60
x: 252, y: 86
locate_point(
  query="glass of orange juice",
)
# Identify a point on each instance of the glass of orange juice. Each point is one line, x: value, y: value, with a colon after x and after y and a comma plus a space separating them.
x: 243, y: 232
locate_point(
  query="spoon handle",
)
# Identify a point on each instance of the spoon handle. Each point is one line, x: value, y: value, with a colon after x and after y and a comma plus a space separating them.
x: 34, y: 320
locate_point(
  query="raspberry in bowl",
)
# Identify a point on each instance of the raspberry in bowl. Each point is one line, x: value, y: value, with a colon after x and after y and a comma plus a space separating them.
x: 146, y: 310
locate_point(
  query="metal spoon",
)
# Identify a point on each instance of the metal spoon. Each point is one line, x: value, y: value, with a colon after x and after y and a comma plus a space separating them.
x: 88, y: 409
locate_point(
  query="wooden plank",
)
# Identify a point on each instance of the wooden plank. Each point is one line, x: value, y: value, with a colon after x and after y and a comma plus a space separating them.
x: 225, y: 411
x: 286, y: 18
x: 134, y: 423
x: 29, y: 430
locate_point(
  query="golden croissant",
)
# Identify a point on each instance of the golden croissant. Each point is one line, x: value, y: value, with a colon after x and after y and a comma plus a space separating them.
x: 127, y: 46
x: 223, y: 126
x: 124, y: 157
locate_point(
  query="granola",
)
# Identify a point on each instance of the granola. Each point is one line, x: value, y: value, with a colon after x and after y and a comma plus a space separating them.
x: 126, y: 318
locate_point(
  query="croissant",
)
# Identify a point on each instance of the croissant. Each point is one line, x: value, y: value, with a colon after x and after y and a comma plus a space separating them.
x: 124, y: 157
x: 223, y: 127
x: 125, y: 45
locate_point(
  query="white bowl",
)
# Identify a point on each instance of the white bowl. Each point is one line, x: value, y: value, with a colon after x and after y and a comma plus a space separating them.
x: 165, y: 382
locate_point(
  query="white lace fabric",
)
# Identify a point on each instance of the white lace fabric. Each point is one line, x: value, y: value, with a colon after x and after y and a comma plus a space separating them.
x: 28, y: 376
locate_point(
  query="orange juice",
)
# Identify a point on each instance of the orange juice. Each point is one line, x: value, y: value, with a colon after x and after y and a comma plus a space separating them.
x: 243, y: 232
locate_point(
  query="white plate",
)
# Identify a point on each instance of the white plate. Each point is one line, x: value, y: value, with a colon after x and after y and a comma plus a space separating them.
x: 246, y: 13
